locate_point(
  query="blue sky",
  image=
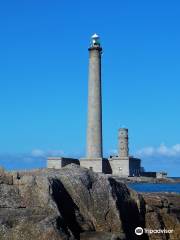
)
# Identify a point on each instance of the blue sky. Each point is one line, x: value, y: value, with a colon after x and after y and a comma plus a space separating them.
x: 43, y: 78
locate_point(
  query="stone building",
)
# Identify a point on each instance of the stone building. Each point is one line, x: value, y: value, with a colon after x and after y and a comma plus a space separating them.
x: 59, y: 162
x: 120, y: 165
x: 123, y: 164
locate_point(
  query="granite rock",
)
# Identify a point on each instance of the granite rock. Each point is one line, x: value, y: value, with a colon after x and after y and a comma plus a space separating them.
x: 74, y: 203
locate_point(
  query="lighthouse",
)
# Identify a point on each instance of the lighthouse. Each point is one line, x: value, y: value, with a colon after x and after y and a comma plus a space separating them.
x: 94, y: 141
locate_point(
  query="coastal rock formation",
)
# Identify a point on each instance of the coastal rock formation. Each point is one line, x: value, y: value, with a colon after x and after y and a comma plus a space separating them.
x: 75, y: 203
x: 162, y: 212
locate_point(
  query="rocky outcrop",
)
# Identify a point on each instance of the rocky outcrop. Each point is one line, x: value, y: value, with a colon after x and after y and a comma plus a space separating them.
x: 141, y: 179
x: 162, y: 212
x: 75, y: 203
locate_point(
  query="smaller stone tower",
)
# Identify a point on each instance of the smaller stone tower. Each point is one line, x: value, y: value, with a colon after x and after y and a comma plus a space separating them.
x: 123, y: 143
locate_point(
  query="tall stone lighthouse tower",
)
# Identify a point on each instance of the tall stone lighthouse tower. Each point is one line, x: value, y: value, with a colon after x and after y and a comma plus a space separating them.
x: 94, y: 147
x: 94, y: 124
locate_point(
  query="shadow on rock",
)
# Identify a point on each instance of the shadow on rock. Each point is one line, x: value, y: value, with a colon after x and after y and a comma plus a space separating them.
x: 67, y: 208
x: 128, y: 211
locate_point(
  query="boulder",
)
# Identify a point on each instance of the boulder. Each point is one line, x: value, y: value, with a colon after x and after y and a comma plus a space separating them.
x: 75, y: 203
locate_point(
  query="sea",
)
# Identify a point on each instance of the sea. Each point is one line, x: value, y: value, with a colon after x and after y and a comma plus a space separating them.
x: 156, y: 187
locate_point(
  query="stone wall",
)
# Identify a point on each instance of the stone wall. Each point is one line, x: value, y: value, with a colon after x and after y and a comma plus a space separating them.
x: 93, y: 164
x: 134, y: 166
x: 59, y: 162
x: 119, y: 166
x: 125, y: 166
x: 154, y: 174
